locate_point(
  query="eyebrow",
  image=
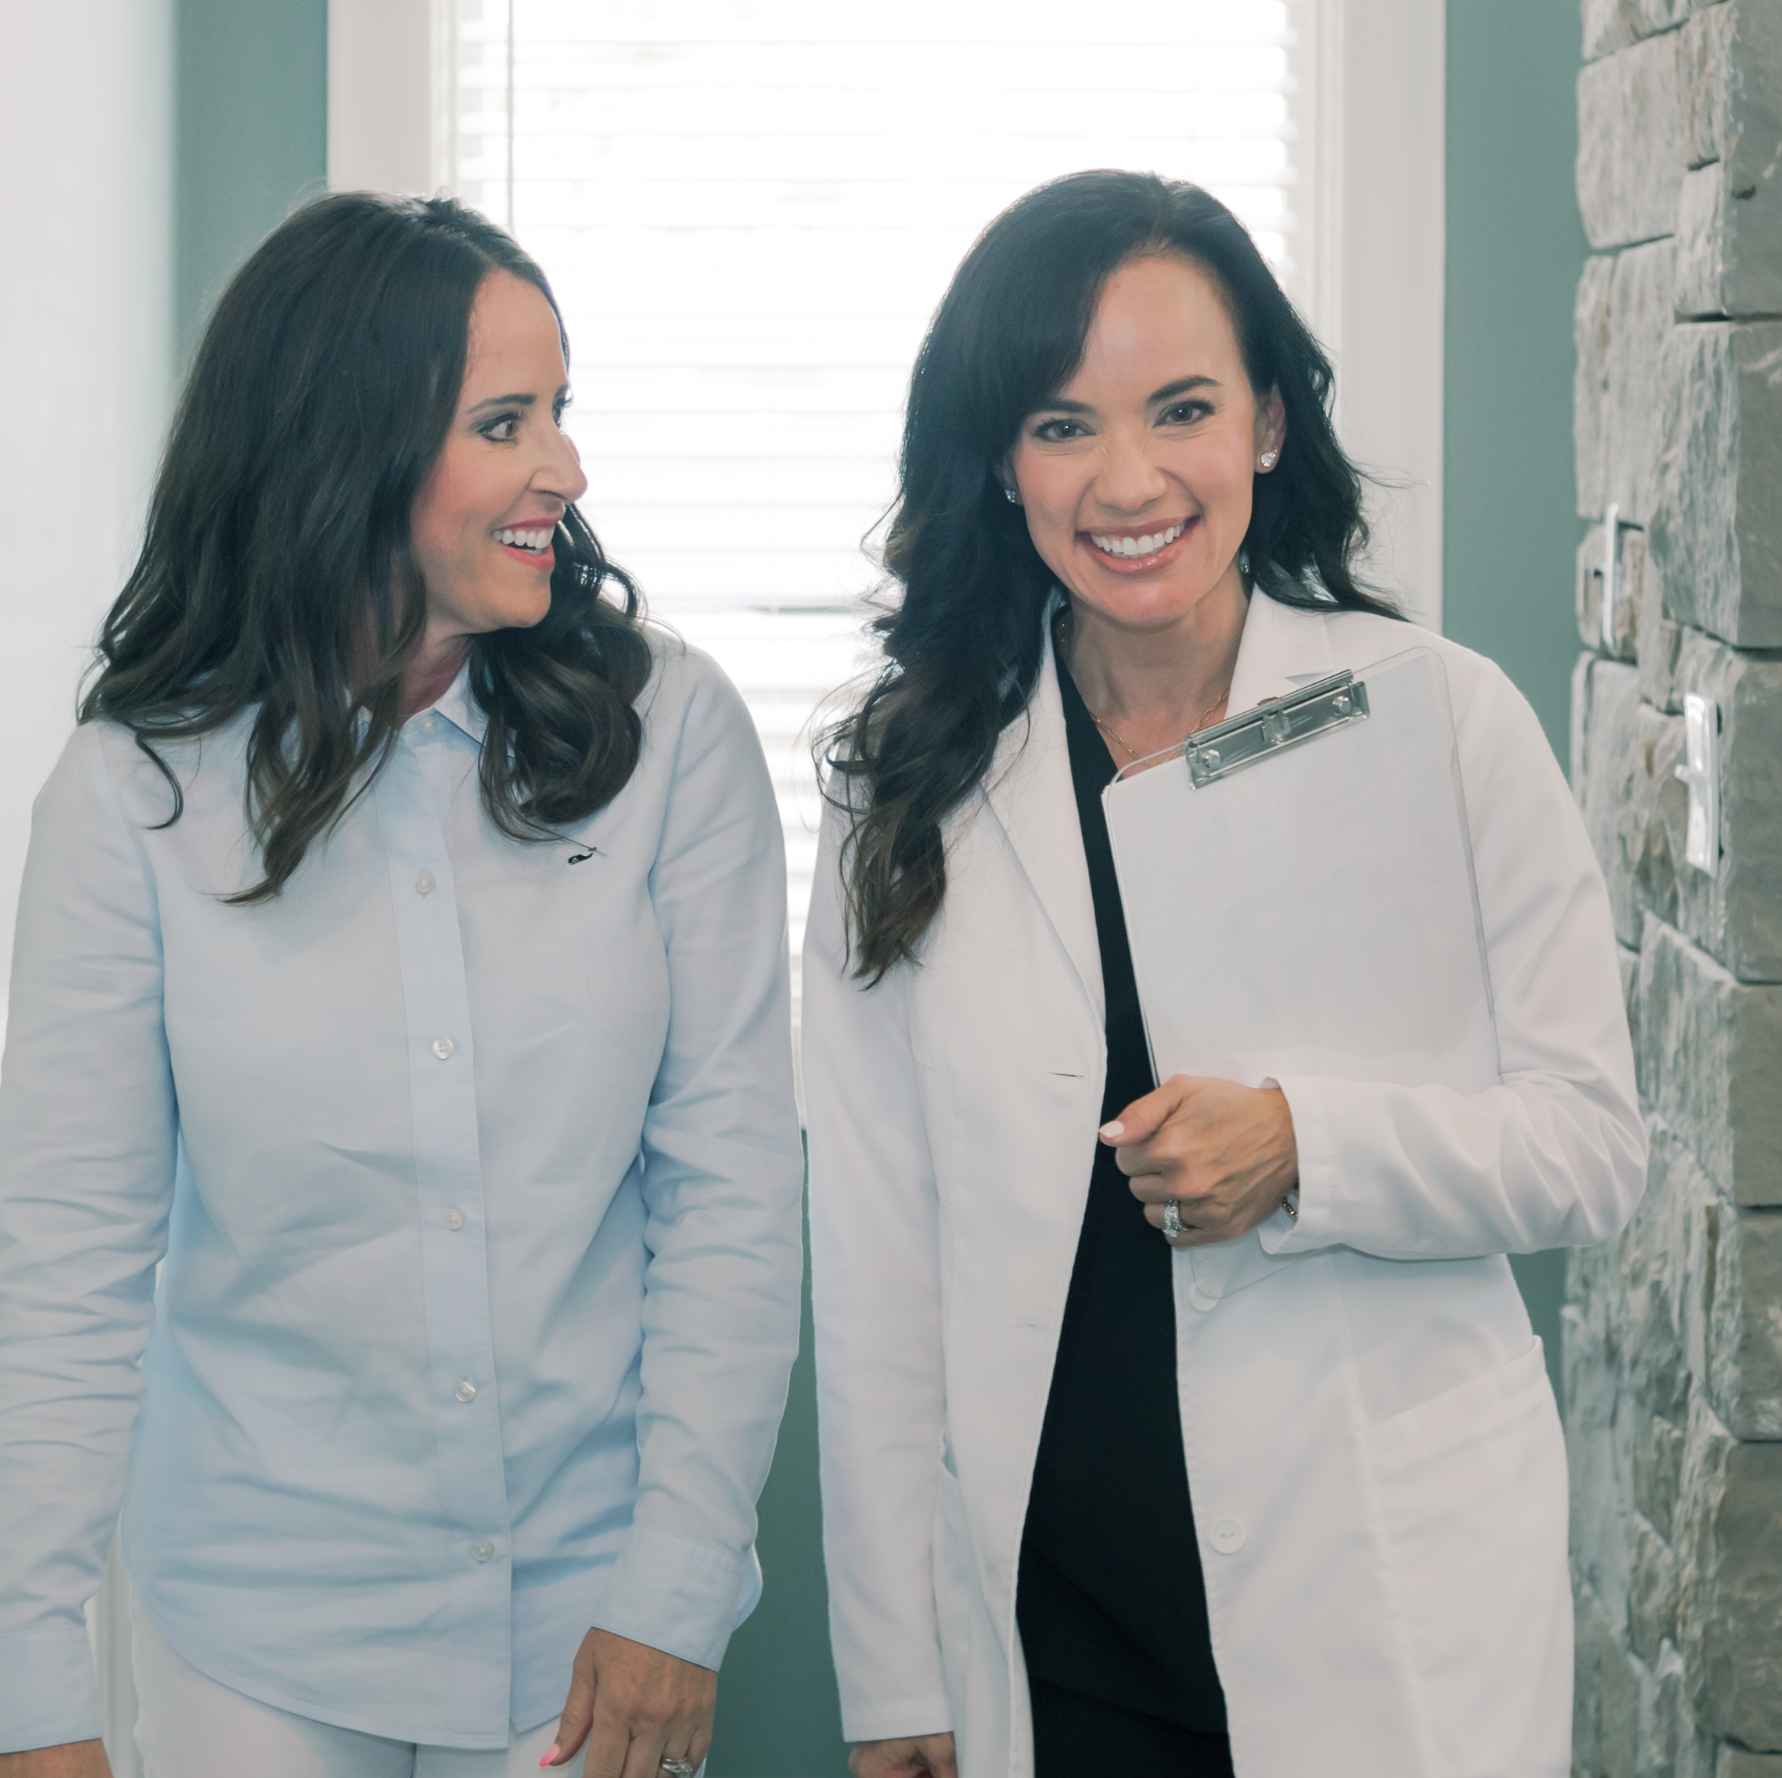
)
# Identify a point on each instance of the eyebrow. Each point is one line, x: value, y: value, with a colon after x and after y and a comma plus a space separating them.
x: 1181, y: 386
x: 518, y: 399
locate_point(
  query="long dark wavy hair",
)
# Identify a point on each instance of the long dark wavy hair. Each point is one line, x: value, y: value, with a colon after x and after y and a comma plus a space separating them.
x: 276, y: 573
x: 963, y: 643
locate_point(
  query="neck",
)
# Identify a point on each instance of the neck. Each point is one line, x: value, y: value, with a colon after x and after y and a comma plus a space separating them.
x: 435, y: 666
x: 1155, y: 686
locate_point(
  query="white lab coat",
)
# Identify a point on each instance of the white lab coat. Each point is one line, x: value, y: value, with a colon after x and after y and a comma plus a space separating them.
x: 1377, y: 1466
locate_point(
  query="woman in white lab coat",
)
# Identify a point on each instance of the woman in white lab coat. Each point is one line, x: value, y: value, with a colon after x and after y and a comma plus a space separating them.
x: 1180, y: 1427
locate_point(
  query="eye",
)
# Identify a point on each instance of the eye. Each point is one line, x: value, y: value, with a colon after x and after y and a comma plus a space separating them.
x: 1184, y: 413
x: 561, y: 406
x: 1058, y: 431
x: 500, y: 428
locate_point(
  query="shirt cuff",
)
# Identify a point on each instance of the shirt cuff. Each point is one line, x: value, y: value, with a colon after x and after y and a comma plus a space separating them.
x: 1319, y: 1206
x: 877, y: 1719
x: 683, y: 1597
x: 49, y: 1692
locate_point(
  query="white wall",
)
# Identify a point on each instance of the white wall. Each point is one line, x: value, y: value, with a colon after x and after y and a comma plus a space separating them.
x: 86, y: 328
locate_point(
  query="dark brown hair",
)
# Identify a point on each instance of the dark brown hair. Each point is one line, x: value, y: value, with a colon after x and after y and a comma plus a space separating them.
x: 276, y: 573
x: 962, y: 645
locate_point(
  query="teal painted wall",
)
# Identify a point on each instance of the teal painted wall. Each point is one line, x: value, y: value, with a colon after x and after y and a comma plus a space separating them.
x: 251, y: 136
x: 1515, y: 250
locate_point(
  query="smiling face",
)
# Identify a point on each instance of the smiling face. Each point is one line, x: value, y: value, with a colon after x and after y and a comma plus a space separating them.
x: 1136, y: 475
x: 481, y: 527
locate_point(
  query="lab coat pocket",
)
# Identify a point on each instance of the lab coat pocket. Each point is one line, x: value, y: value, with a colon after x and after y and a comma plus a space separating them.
x: 1472, y: 1495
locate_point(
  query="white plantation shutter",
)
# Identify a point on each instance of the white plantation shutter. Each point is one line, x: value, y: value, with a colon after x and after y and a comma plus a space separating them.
x: 748, y: 212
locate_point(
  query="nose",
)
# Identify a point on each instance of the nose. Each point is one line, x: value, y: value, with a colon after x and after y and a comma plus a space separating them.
x: 1128, y: 478
x: 560, y: 471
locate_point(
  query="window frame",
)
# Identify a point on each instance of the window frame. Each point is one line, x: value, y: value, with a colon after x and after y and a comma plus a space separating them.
x: 1378, y: 247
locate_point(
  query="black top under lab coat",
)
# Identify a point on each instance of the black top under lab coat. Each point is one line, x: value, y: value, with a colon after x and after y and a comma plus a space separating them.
x: 1111, y: 1601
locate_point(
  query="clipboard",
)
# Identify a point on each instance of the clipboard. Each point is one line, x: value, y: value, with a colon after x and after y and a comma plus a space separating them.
x: 1300, y: 897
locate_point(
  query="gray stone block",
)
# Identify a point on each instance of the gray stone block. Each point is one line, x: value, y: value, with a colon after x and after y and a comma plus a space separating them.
x: 1730, y: 1599
x: 1744, y: 1336
x: 1735, y: 913
x: 1612, y: 760
x: 1736, y: 1762
x: 1658, y: 1475
x: 1656, y: 637
x: 1630, y: 143
x: 1603, y: 1427
x: 1729, y: 248
x: 1621, y: 1690
x: 1715, y: 537
x: 1671, y: 1746
x: 1635, y: 809
x: 1710, y: 1060
x: 1590, y: 383
x: 1641, y: 301
x: 1743, y: 56
x: 1628, y: 963
x: 1652, y: 1599
x: 1631, y: 597
x: 1656, y: 1304
x: 1610, y: 25
x: 1590, y: 1636
x: 1702, y: 83
x: 1730, y: 101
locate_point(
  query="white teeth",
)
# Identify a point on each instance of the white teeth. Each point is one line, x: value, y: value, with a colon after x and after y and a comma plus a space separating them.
x: 533, y: 540
x: 1137, y: 546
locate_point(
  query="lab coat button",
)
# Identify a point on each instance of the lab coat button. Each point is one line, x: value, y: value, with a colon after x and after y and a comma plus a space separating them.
x: 482, y: 1552
x: 1228, y: 1536
x: 1202, y: 1298
x: 466, y: 1390
x: 424, y: 884
x: 444, y: 1048
x: 454, y: 1219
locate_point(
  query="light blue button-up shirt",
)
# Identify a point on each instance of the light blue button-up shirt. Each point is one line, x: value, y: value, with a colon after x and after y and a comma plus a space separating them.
x: 477, y: 1174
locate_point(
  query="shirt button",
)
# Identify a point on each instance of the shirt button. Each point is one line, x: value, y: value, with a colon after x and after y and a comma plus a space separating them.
x: 454, y: 1219
x: 482, y: 1552
x: 444, y: 1048
x: 424, y: 883
x: 1228, y: 1536
x: 466, y: 1390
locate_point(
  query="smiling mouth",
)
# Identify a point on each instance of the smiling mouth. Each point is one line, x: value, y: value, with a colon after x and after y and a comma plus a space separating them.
x: 1140, y: 550
x: 534, y: 540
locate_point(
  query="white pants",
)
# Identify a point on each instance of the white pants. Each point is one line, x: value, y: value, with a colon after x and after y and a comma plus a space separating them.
x: 188, y: 1726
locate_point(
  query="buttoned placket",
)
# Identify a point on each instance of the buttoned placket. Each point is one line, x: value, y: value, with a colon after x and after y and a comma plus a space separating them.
x: 432, y: 764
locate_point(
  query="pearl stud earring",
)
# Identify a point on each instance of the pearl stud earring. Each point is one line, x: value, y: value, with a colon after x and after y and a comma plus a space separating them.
x: 1267, y: 461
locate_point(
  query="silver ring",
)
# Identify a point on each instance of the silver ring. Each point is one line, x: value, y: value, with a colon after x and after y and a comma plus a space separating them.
x: 1173, y: 1225
x: 678, y: 1768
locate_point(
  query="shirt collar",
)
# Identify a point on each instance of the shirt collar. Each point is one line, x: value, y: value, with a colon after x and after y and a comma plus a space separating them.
x: 460, y: 709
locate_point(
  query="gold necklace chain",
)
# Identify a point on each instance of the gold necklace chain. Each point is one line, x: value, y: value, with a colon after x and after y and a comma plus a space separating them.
x: 1107, y: 728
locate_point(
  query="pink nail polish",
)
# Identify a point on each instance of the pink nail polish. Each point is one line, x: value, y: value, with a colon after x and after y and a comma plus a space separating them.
x: 550, y: 1758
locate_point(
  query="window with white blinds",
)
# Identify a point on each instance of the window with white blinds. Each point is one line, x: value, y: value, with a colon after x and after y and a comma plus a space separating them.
x: 749, y: 211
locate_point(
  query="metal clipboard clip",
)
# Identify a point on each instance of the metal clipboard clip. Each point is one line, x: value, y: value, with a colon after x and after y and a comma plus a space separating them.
x: 1253, y: 735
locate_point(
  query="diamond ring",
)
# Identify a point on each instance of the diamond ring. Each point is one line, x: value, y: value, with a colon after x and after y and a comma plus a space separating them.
x: 1173, y: 1225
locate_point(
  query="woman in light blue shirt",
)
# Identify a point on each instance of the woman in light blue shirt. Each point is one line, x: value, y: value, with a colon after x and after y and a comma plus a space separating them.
x: 401, y: 960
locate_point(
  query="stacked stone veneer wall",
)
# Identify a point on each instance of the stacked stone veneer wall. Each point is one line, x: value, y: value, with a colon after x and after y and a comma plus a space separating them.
x: 1672, y: 1336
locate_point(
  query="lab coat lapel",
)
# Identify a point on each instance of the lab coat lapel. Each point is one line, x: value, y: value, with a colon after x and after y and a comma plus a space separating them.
x: 1282, y: 648
x: 1030, y: 791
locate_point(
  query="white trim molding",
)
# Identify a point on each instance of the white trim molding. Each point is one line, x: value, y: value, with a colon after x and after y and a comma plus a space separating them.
x: 386, y: 59
x: 1376, y: 131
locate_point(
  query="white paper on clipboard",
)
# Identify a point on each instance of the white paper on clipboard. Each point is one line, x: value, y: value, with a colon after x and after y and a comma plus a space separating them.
x: 1310, y: 905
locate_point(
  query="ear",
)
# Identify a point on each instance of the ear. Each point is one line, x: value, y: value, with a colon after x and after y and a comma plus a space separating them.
x: 1271, y: 424
x: 1004, y: 471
